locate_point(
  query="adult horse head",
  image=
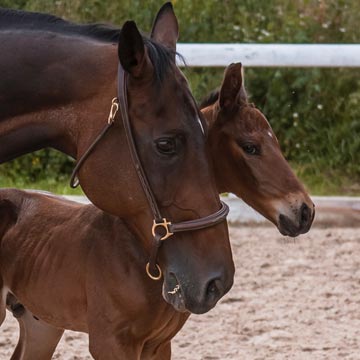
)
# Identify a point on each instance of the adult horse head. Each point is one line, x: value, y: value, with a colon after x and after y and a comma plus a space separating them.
x: 248, y: 161
x: 73, y: 72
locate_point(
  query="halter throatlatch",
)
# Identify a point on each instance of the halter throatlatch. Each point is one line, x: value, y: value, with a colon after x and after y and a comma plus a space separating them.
x: 74, y: 181
x: 161, y: 229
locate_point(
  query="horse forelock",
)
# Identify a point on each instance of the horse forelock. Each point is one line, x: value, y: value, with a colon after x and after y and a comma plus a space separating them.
x: 251, y: 120
x: 161, y: 57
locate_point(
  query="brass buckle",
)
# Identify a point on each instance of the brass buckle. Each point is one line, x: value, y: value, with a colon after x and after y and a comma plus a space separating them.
x: 164, y: 224
x: 113, y: 110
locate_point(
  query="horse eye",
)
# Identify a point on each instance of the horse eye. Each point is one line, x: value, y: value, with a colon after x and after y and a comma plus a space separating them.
x: 251, y: 149
x: 166, y: 146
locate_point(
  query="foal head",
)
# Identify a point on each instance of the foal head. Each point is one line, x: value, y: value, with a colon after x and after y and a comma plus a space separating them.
x: 168, y: 133
x: 248, y: 161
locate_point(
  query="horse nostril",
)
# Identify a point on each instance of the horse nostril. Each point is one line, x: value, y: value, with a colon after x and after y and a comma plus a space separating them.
x: 214, y: 289
x: 305, y: 214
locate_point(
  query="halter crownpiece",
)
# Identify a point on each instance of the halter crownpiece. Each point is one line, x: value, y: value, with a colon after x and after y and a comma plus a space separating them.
x: 161, y: 229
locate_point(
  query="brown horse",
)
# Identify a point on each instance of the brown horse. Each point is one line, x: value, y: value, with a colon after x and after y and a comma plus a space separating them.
x: 47, y: 335
x: 42, y: 103
x: 27, y: 226
x: 247, y: 158
x: 76, y: 267
x: 56, y: 87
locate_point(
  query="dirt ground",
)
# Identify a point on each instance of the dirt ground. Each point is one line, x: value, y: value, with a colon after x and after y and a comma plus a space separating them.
x: 291, y: 300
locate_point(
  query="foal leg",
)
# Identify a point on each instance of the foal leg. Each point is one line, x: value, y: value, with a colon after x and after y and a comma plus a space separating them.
x: 162, y: 352
x: 2, y: 302
x: 112, y: 349
x: 108, y: 343
x: 38, y: 340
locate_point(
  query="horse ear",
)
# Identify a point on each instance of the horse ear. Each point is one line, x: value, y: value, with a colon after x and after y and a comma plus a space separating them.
x: 165, y: 29
x: 131, y: 49
x: 232, y: 88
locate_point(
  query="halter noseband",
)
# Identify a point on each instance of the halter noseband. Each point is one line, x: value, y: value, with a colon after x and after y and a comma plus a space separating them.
x: 161, y: 228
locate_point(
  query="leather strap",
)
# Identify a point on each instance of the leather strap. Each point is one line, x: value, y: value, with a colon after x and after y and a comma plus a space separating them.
x: 202, y: 223
x: 74, y: 181
x: 122, y: 93
x: 159, y: 222
x: 196, y: 224
x: 153, y: 255
x: 190, y: 225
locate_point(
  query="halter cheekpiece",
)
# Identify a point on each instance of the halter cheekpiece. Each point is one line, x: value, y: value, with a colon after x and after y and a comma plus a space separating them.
x: 161, y: 229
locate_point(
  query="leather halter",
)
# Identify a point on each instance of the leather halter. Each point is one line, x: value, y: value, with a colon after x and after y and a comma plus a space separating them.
x: 162, y: 228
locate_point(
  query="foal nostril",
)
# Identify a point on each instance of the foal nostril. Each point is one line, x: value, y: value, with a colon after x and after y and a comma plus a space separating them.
x: 305, y: 214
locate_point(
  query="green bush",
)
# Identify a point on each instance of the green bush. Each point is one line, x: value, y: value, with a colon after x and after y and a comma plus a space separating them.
x: 314, y: 112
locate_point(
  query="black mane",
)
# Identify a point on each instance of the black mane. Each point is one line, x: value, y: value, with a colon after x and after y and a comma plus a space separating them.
x: 19, y: 20
x: 10, y: 19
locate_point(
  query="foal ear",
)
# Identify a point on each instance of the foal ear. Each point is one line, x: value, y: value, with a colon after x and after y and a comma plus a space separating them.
x: 165, y: 29
x: 232, y: 90
x: 131, y: 49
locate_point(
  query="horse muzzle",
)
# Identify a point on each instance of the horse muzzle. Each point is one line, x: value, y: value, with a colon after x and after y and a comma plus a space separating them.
x: 297, y: 223
x: 195, y: 296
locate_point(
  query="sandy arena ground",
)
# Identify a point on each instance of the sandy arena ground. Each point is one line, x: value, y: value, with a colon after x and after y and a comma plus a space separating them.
x: 291, y: 300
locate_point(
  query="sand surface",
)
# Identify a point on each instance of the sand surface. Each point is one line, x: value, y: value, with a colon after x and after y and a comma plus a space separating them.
x: 291, y: 300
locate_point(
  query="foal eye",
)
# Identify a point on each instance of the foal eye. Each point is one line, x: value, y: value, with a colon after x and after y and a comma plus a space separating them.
x: 251, y: 149
x: 166, y: 146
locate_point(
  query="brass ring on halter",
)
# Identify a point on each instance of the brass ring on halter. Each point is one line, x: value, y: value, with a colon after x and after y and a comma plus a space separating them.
x: 165, y: 225
x: 152, y: 276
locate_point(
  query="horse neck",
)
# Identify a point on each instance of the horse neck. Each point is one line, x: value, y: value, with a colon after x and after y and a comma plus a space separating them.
x: 68, y: 88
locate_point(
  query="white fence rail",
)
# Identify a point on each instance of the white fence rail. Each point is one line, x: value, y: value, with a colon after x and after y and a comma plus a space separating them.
x: 271, y: 55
